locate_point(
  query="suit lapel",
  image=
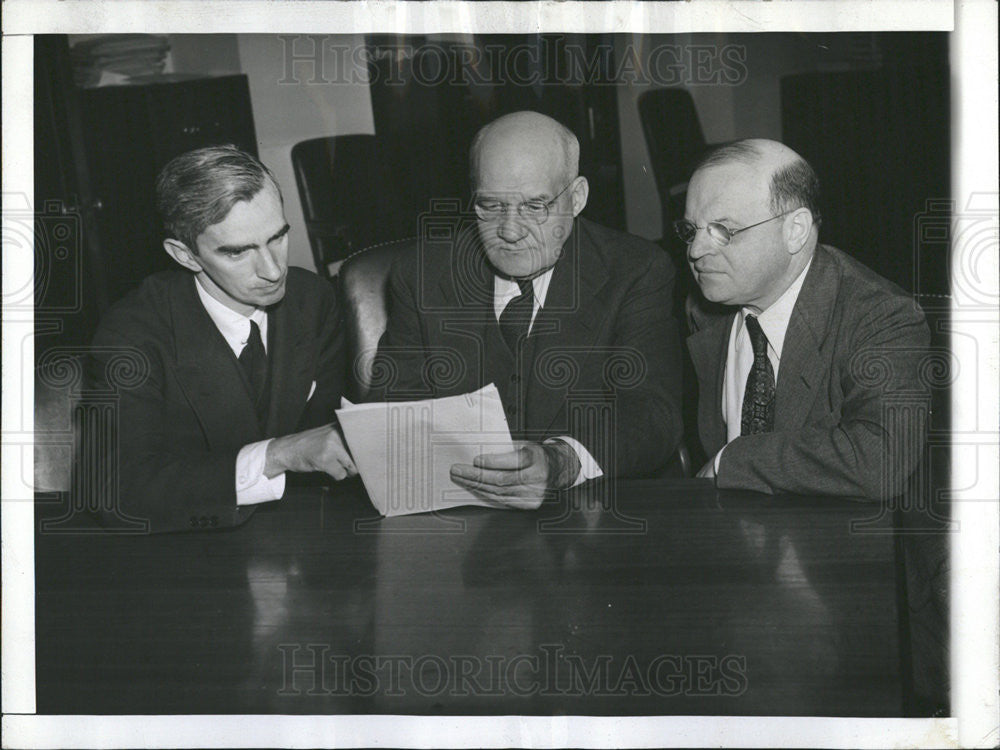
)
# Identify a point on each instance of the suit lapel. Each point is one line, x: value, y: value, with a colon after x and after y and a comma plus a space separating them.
x: 568, y: 321
x: 207, y: 371
x: 292, y: 367
x: 708, y: 348
x: 465, y: 291
x: 802, y: 362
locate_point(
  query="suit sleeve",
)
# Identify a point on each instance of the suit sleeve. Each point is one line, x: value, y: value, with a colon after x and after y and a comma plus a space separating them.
x: 399, y: 364
x: 874, y: 444
x: 648, y: 422
x: 144, y: 478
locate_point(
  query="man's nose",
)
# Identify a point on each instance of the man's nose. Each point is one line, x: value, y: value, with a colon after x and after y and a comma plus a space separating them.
x: 700, y: 246
x: 267, y: 265
x: 510, y: 228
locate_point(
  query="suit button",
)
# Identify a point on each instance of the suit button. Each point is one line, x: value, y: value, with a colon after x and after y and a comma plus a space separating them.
x: 511, y: 409
x: 515, y: 378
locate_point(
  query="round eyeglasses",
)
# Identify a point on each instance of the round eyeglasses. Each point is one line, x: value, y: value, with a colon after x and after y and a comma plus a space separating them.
x: 720, y: 233
x: 536, y: 210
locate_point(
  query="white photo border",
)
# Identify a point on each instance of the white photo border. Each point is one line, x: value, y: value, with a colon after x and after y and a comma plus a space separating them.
x: 974, y: 557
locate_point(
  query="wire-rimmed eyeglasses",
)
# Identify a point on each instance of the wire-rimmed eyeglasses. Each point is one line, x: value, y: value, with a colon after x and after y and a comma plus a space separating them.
x: 720, y: 233
x: 536, y: 210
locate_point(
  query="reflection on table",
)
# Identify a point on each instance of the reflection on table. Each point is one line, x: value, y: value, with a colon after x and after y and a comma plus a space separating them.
x: 656, y: 597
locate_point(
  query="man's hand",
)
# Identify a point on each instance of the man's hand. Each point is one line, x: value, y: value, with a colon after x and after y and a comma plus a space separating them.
x: 318, y: 449
x: 519, y: 478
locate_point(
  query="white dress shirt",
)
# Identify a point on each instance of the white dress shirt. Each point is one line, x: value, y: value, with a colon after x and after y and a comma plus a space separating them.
x: 739, y: 360
x: 252, y: 486
x: 505, y: 290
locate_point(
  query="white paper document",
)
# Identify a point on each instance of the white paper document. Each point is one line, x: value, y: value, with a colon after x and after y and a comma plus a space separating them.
x: 404, y: 451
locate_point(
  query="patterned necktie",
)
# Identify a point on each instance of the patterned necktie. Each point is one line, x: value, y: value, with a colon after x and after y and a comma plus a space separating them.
x: 515, y: 320
x: 253, y: 358
x: 758, y: 398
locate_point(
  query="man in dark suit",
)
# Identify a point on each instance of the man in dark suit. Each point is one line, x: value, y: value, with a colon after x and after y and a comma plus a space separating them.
x: 243, y: 357
x: 809, y: 371
x: 570, y: 320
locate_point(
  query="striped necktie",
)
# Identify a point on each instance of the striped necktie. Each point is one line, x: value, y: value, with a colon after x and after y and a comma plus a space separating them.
x: 515, y: 320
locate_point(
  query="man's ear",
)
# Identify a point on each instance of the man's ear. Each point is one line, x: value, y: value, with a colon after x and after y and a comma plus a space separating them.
x: 797, y: 229
x: 182, y: 254
x: 580, y: 191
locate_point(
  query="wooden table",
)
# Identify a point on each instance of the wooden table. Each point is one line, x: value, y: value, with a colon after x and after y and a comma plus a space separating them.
x: 658, y: 597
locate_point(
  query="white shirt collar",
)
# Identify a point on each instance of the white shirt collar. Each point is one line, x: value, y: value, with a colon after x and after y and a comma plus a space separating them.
x: 774, y: 320
x: 234, y: 327
x: 739, y: 358
x: 504, y: 290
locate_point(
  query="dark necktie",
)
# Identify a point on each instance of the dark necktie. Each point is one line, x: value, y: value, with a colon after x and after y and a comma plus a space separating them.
x: 253, y: 358
x: 758, y: 398
x: 515, y: 320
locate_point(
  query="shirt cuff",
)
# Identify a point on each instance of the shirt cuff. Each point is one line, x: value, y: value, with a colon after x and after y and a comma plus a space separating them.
x: 715, y: 463
x: 588, y: 466
x: 252, y: 486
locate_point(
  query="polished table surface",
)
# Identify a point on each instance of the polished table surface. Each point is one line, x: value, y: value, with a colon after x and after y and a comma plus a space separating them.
x: 652, y: 597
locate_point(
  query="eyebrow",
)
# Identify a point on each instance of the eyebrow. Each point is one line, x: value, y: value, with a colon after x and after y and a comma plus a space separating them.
x: 234, y: 249
x: 544, y: 198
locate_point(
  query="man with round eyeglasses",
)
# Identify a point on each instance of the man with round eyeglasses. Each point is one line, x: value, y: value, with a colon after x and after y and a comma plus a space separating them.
x: 802, y: 366
x: 570, y: 320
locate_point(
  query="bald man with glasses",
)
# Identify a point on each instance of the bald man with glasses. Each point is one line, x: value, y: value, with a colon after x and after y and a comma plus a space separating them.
x: 809, y: 377
x: 570, y: 320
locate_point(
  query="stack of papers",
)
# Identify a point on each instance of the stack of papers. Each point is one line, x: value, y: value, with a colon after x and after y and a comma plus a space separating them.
x: 404, y: 451
x: 123, y: 55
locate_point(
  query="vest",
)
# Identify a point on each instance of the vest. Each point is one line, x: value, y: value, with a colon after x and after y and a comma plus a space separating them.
x: 511, y: 374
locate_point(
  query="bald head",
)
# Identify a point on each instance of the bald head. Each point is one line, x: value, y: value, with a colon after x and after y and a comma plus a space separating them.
x: 527, y: 191
x: 751, y: 222
x: 790, y: 180
x: 533, y: 137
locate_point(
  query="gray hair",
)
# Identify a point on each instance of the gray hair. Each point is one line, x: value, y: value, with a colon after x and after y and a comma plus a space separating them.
x: 199, y: 188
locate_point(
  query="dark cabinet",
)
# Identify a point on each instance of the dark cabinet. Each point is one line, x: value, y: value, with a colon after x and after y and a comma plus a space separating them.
x: 130, y: 133
x: 879, y: 141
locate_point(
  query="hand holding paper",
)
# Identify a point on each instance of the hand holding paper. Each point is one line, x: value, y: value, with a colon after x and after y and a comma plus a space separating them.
x: 519, y: 478
x: 405, y: 451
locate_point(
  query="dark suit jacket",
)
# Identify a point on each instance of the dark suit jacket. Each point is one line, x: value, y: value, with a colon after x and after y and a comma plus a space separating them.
x: 602, y: 363
x: 850, y: 410
x: 181, y: 428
